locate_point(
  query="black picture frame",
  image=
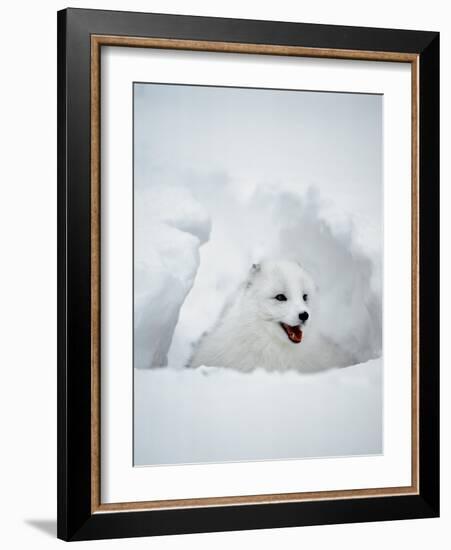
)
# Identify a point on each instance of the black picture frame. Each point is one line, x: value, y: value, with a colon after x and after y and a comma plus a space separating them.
x: 76, y: 519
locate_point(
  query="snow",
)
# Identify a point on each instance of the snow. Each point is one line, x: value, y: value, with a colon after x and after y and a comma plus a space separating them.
x: 218, y: 415
x: 224, y: 179
x: 169, y: 230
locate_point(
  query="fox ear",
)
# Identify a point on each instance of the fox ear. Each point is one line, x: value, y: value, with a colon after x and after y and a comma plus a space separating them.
x: 256, y: 268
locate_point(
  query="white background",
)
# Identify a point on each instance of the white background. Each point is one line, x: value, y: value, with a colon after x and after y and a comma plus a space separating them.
x: 28, y: 274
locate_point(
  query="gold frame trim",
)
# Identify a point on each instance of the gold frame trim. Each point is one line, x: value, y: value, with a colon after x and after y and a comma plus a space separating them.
x: 97, y: 41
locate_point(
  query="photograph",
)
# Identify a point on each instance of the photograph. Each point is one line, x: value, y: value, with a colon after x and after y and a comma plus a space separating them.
x: 258, y: 246
x: 248, y: 273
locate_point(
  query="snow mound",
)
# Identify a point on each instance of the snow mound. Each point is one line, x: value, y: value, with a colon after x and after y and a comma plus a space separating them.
x: 168, y: 234
x: 219, y: 415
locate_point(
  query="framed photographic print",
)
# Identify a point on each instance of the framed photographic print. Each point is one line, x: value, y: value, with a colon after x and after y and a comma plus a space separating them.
x: 248, y: 274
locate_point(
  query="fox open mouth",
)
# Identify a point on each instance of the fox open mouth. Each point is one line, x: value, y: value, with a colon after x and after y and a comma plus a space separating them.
x: 293, y: 333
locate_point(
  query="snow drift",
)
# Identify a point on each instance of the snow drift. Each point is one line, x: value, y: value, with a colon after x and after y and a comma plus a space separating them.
x: 169, y: 229
x: 189, y: 260
x: 218, y: 415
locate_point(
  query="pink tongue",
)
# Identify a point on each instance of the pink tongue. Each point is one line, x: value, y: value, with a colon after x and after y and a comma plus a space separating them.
x: 295, y: 334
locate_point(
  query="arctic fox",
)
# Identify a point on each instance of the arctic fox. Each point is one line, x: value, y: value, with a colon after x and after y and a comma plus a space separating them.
x: 270, y: 324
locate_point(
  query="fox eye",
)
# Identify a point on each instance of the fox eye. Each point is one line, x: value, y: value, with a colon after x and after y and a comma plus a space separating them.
x: 281, y: 298
x: 305, y: 297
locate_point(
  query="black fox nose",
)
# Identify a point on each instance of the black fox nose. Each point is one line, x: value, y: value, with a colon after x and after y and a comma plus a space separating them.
x: 303, y: 316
